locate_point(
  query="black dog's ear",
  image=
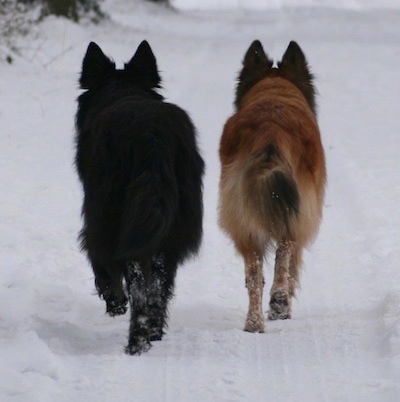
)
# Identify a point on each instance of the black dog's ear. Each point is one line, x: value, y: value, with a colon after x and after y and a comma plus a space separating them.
x: 294, y: 66
x: 143, y: 66
x: 256, y: 58
x: 95, y: 67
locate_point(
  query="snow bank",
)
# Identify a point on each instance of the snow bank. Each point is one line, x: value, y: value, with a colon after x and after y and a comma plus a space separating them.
x: 274, y: 4
x: 389, y: 314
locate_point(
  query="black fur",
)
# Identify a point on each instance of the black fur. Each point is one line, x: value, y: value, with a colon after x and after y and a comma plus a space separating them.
x: 293, y: 67
x: 141, y: 172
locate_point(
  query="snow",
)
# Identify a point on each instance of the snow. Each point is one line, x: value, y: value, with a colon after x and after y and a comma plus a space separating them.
x: 274, y: 4
x: 343, y: 342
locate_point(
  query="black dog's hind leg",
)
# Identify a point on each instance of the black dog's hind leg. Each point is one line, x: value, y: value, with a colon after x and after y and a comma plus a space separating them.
x: 160, y: 292
x: 111, y: 290
x: 139, y: 340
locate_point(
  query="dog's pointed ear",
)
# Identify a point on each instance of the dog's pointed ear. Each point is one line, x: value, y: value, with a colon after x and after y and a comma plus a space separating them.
x: 256, y: 66
x: 255, y: 56
x: 95, y: 67
x: 294, y: 66
x: 143, y: 66
x: 294, y: 59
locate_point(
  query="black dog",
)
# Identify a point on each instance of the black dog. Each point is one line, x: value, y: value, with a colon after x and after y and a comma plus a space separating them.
x: 141, y: 173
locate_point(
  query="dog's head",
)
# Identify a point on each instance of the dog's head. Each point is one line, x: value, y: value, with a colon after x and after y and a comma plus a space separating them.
x: 293, y: 67
x: 141, y: 70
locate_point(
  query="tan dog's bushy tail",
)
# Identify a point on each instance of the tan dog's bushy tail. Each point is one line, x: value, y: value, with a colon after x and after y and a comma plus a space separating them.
x: 272, y: 192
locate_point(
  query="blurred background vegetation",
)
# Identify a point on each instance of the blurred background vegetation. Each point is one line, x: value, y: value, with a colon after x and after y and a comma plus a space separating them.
x: 18, y: 16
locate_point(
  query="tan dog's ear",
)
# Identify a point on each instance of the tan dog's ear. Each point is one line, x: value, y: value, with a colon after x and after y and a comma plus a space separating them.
x: 255, y: 55
x: 295, y: 68
x: 256, y: 66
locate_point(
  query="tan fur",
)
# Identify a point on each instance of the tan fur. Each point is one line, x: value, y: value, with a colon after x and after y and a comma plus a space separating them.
x: 272, y: 113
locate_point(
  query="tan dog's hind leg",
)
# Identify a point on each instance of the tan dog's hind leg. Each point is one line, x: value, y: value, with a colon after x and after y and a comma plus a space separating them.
x: 281, y: 294
x: 255, y: 285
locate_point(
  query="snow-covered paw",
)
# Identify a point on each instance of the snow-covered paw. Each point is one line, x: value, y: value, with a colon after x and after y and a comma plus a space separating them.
x: 116, y: 307
x: 138, y: 346
x: 156, y: 334
x: 254, y: 323
x: 279, y: 306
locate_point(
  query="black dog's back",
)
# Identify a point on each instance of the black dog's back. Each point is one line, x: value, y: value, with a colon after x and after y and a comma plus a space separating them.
x: 142, y: 173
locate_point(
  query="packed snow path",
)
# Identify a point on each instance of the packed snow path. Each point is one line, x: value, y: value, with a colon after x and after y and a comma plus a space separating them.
x: 343, y: 343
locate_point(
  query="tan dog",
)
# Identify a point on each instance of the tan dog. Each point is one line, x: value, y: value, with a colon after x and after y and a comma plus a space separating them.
x: 273, y: 175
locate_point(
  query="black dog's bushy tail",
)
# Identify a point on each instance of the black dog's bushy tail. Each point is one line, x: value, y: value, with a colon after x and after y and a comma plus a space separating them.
x: 150, y: 205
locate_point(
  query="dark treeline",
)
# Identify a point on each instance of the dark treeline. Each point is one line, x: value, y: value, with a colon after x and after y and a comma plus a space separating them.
x: 72, y: 9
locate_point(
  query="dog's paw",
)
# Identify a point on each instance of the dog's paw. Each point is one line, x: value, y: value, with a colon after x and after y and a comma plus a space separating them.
x: 279, y: 306
x: 255, y: 323
x: 116, y: 307
x: 156, y: 334
x: 138, y: 346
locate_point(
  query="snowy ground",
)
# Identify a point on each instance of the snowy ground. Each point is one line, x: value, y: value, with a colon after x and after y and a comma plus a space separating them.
x: 343, y: 343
